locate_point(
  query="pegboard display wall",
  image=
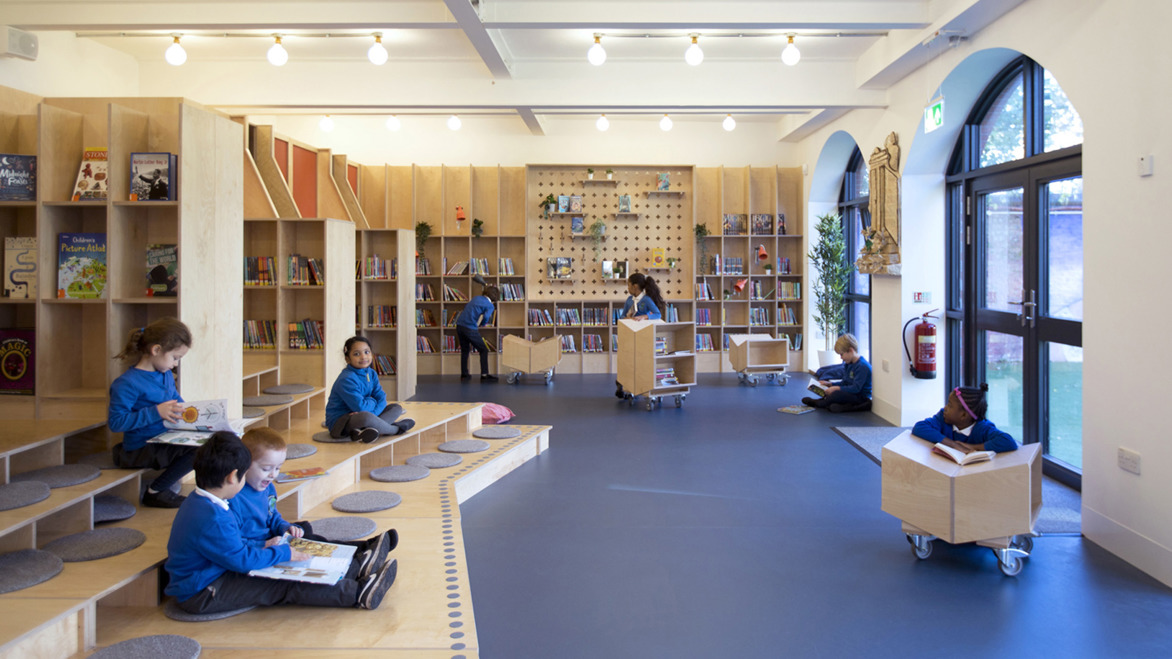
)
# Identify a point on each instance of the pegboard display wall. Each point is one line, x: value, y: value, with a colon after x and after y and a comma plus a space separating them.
x: 655, y: 220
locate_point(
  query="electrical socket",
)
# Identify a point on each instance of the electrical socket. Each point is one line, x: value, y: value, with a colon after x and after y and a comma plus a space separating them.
x: 1129, y: 460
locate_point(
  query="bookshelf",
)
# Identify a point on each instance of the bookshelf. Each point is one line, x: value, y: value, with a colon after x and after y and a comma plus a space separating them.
x: 385, y: 303
x: 651, y: 350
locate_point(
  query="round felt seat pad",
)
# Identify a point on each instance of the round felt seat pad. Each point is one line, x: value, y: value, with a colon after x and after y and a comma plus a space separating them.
x: 464, y: 446
x: 496, y: 432
x: 61, y: 475
x: 435, y: 460
x: 168, y: 646
x: 112, y: 508
x: 366, y: 502
x: 262, y: 401
x: 171, y: 610
x: 324, y: 438
x: 399, y: 473
x: 291, y: 388
x: 95, y: 544
x: 294, y: 451
x: 252, y: 412
x: 27, y: 567
x: 341, y: 529
x: 19, y: 495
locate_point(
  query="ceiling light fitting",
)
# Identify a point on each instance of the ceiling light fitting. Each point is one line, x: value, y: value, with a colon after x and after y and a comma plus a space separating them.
x: 393, y: 123
x: 693, y: 55
x: 175, y: 54
x: 791, y: 55
x: 377, y: 53
x: 603, y: 123
x: 277, y: 54
x: 665, y: 123
x: 454, y: 122
x: 326, y: 124
x: 729, y: 123
x: 597, y: 54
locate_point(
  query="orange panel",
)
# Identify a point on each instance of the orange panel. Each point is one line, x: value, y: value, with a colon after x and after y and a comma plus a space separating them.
x: 352, y: 177
x: 281, y: 155
x: 305, y: 181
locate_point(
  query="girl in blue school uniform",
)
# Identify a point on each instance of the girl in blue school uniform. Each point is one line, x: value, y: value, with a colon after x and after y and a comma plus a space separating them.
x: 357, y: 407
x: 962, y: 424
x: 643, y: 303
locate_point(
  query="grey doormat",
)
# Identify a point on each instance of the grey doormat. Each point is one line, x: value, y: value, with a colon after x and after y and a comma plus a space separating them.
x: 27, y: 567
x: 103, y: 460
x: 324, y: 438
x: 294, y: 451
x: 291, y: 388
x: 496, y: 432
x: 60, y: 475
x: 171, y: 610
x: 263, y: 401
x: 1061, y: 505
x: 247, y: 412
x: 19, y: 495
x: 435, y: 460
x: 464, y: 446
x: 365, y: 502
x: 112, y: 508
x: 341, y: 529
x: 95, y: 544
x: 160, y: 646
x: 399, y: 473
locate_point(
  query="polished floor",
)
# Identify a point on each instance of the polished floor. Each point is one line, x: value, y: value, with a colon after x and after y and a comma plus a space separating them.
x: 725, y: 529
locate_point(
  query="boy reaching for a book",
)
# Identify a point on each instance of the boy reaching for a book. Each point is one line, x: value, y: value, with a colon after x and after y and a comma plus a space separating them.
x: 853, y: 393
x: 208, y: 560
x: 962, y: 425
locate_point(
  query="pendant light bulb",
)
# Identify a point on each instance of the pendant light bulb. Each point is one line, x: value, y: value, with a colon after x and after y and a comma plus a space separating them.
x: 277, y: 54
x: 665, y: 123
x: 603, y: 123
x: 393, y: 123
x: 791, y: 55
x: 326, y: 123
x: 693, y: 55
x: 454, y: 122
x: 729, y: 123
x: 597, y: 54
x: 175, y: 54
x: 377, y: 53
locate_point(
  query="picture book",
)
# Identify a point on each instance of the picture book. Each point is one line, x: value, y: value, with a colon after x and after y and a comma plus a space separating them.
x: 781, y: 224
x: 608, y: 269
x: 20, y: 267
x: 563, y: 203
x: 577, y: 225
x: 962, y: 458
x: 817, y: 388
x: 301, y: 474
x: 17, y: 361
x: 761, y: 224
x: 663, y: 181
x: 327, y: 563
x: 575, y: 203
x: 162, y: 270
x: 658, y: 257
x: 18, y: 177
x: 93, y: 176
x: 205, y: 416
x: 796, y: 409
x: 150, y: 176
x: 181, y: 437
x: 559, y: 267
x: 624, y: 203
x: 734, y: 224
x: 81, y: 265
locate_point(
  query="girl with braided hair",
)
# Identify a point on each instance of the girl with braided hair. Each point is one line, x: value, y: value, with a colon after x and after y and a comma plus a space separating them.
x: 962, y: 424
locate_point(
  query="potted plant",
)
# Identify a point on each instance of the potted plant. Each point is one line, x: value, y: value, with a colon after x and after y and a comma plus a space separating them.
x: 828, y: 258
x: 589, y: 174
x: 671, y: 262
x: 548, y: 205
x: 702, y: 233
x: 768, y: 268
x: 609, y: 174
x: 422, y: 233
x: 477, y: 227
x: 597, y: 230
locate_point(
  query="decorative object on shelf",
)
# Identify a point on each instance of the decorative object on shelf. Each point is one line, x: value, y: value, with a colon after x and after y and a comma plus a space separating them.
x: 740, y: 285
x: 597, y: 231
x: 768, y: 268
x: 609, y: 174
x: 762, y: 255
x: 460, y: 216
x: 727, y: 295
x: 828, y: 258
x: 589, y: 174
x: 477, y: 227
x: 548, y: 205
x: 658, y: 257
x: 702, y: 233
x: 624, y: 203
x: 671, y: 262
x: 663, y: 181
x: 577, y: 225
x: 575, y: 203
x: 422, y: 233
x: 880, y: 253
x: 563, y: 203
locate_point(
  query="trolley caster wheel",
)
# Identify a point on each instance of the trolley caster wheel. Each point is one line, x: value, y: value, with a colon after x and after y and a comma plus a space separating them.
x: 630, y: 400
x: 650, y: 404
x: 1011, y: 566
x: 513, y: 378
x: 783, y: 381
x: 921, y: 546
x: 548, y: 377
x: 752, y: 380
x: 771, y: 377
x: 679, y: 401
x: 1023, y: 542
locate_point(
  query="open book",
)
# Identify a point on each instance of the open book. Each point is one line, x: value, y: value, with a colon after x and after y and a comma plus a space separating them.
x: 327, y: 563
x: 301, y: 474
x: 962, y: 458
x: 817, y: 388
x: 200, y: 419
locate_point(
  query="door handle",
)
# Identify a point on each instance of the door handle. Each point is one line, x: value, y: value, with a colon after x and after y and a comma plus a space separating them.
x: 1027, y: 309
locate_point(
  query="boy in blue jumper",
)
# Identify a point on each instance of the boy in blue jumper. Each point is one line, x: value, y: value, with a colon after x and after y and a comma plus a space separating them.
x: 208, y: 560
x: 476, y: 314
x: 962, y: 424
x: 853, y: 393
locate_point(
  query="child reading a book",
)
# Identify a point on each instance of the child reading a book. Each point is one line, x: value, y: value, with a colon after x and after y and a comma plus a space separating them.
x: 142, y: 398
x: 255, y: 508
x: 476, y: 314
x: 357, y: 407
x: 208, y: 560
x: 962, y: 425
x: 644, y: 302
x: 853, y: 393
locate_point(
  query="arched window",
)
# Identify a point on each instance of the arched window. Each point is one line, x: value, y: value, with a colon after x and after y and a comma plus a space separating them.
x: 853, y: 207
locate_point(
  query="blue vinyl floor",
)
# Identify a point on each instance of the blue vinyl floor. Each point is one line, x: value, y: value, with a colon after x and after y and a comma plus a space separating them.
x: 726, y: 529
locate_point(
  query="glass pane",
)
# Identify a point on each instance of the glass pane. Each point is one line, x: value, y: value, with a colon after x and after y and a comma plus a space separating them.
x: 1064, y: 236
x: 1003, y: 249
x: 1065, y: 403
x: 1002, y: 137
x: 1063, y: 126
x: 860, y: 283
x: 1004, y: 371
x: 862, y: 184
x: 861, y: 326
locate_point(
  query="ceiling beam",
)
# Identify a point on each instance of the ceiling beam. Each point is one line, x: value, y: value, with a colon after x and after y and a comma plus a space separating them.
x: 469, y: 21
x: 532, y: 121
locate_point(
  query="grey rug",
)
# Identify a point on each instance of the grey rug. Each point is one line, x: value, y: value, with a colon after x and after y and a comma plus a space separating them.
x: 291, y: 388
x: 263, y: 401
x: 399, y: 473
x: 112, y: 508
x: 1061, y: 505
x: 365, y: 502
x: 19, y: 495
x: 95, y: 544
x: 464, y: 446
x: 60, y: 475
x: 103, y: 460
x: 324, y: 437
x: 341, y: 529
x: 171, y: 610
x: 160, y: 646
x: 496, y: 432
x: 247, y: 412
x: 27, y: 567
x: 435, y: 460
x: 294, y: 451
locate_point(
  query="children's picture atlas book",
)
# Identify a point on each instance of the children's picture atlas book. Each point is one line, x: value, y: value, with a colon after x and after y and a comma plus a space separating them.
x: 81, y: 265
x: 200, y: 419
x: 327, y: 563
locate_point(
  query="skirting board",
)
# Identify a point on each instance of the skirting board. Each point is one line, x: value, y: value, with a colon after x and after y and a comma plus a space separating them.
x: 1142, y: 552
x: 886, y: 411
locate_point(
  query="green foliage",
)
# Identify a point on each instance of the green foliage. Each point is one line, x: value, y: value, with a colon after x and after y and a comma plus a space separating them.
x: 702, y: 232
x: 828, y: 257
x: 477, y: 227
x: 422, y: 233
x: 597, y: 231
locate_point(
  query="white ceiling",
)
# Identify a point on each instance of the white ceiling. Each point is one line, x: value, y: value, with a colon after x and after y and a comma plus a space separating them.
x: 526, y: 57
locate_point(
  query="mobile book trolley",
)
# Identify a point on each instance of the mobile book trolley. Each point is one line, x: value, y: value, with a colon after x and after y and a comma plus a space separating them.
x: 524, y: 356
x: 656, y: 360
x: 994, y: 504
x: 754, y: 355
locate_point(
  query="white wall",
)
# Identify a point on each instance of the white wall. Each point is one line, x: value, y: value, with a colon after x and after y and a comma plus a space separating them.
x: 1104, y: 55
x: 68, y: 66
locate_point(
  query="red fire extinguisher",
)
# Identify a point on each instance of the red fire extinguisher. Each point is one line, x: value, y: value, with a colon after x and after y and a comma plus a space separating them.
x: 923, y: 366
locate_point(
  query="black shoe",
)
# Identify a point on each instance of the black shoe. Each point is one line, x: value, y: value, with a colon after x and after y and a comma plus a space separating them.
x: 379, y: 548
x: 465, y: 377
x: 836, y: 408
x: 395, y: 410
x: 364, y: 435
x: 810, y: 402
x: 365, y: 561
x: 375, y: 587
x: 488, y: 377
x: 404, y: 425
x: 163, y: 499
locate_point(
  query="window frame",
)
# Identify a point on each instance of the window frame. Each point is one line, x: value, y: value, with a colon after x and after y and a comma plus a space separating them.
x: 856, y: 166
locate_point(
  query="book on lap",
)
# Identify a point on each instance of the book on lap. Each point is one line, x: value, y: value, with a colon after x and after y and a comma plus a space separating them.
x: 327, y: 563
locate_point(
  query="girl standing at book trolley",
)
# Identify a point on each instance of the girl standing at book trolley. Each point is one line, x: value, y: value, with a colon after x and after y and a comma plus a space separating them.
x: 142, y: 398
x: 643, y: 303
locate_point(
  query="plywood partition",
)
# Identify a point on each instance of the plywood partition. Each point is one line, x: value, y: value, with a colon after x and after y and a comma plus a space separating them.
x: 401, y: 197
x: 61, y: 133
x: 18, y: 133
x: 457, y: 190
x: 373, y: 188
x: 735, y: 191
x: 329, y: 192
x: 303, y: 180
x: 486, y: 199
x: 512, y: 201
x: 340, y: 172
x: 14, y: 101
x: 271, y: 175
x: 789, y: 196
x: 258, y: 203
x: 706, y: 195
x: 763, y: 190
x: 405, y: 342
x: 429, y: 198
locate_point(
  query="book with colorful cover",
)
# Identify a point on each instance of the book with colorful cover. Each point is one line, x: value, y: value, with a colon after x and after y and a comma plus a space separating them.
x: 205, y: 416
x: 327, y: 562
x: 93, y: 176
x: 658, y: 257
x: 663, y: 181
x: 162, y: 270
x: 577, y: 225
x: 20, y: 267
x: 796, y: 409
x: 151, y: 175
x: 17, y: 362
x: 18, y: 177
x: 81, y: 265
x: 301, y: 474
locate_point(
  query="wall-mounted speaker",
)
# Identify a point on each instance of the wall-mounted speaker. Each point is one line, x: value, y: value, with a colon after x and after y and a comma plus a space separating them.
x: 18, y: 43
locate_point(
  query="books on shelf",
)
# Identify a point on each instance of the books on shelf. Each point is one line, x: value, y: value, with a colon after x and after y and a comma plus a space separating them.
x: 665, y: 376
x: 592, y: 343
x: 305, y: 271
x: 761, y: 224
x: 327, y: 564
x: 560, y: 267
x: 479, y: 267
x: 458, y: 268
x: 504, y: 266
x: 424, y: 318
x: 703, y: 291
x: 575, y: 203
x: 260, y: 335
x: 382, y: 315
x: 93, y: 176
x: 451, y: 344
x: 452, y: 294
x: 796, y: 341
x: 294, y: 475
x: 376, y: 268
x: 783, y: 266
x: 758, y: 316
x: 18, y: 361
x: 259, y: 271
x: 704, y: 343
x: 81, y: 265
x: 962, y: 458
x: 781, y: 224
x: 540, y: 318
x: 577, y: 225
x: 306, y: 335
x: 671, y: 314
x: 568, y: 318
x: 567, y: 343
x: 512, y: 292
x: 20, y: 267
x: 704, y: 317
x: 151, y: 175
x: 789, y: 290
x: 18, y: 177
x: 594, y: 317
x: 734, y: 224
x: 385, y: 365
x: 423, y: 293
x: 162, y: 270
x: 424, y: 346
x: 422, y: 265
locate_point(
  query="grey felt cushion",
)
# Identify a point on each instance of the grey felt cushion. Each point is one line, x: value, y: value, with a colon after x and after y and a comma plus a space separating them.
x: 95, y: 544
x: 112, y: 508
x: 496, y: 432
x: 171, y: 610
x: 103, y: 460
x: 252, y: 412
x: 324, y: 437
x: 365, y: 502
x: 160, y: 646
x: 294, y: 451
x: 19, y: 495
x: 262, y: 401
x: 341, y: 529
x: 291, y: 388
x: 464, y: 446
x: 434, y: 460
x: 60, y: 475
x: 27, y: 567
x: 399, y: 473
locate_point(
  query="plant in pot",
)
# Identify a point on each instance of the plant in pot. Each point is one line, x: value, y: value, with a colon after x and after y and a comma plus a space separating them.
x: 702, y: 233
x: 477, y: 227
x: 609, y: 174
x: 548, y: 205
x: 422, y: 233
x: 597, y: 231
x: 828, y: 259
x: 590, y: 173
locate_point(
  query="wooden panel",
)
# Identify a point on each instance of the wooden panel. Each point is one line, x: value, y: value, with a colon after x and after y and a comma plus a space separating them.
x: 486, y: 194
x: 762, y: 189
x: 270, y: 156
x: 734, y: 190
x: 41, y: 629
x: 329, y: 191
x: 401, y: 197
x: 789, y: 198
x: 60, y: 133
x: 511, y: 221
x: 257, y: 202
x: 457, y: 190
x: 373, y: 195
x: 406, y: 335
x: 339, y: 266
x: 128, y: 133
x: 15, y: 101
x: 281, y: 156
x: 429, y: 199
x: 304, y: 182
x: 340, y: 173
x: 352, y: 178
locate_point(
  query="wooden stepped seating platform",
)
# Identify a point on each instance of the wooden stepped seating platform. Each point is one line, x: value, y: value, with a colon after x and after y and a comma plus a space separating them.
x: 261, y: 372
x: 98, y: 603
